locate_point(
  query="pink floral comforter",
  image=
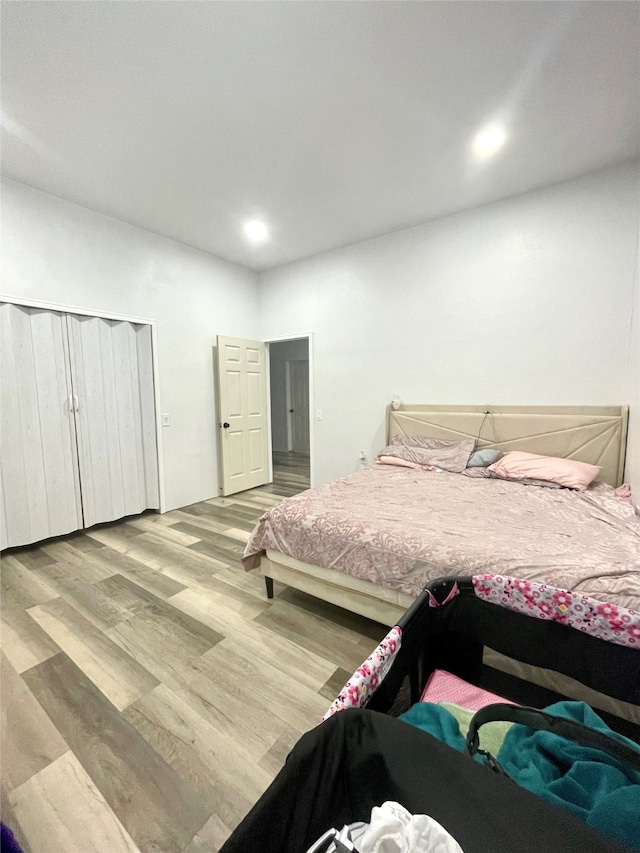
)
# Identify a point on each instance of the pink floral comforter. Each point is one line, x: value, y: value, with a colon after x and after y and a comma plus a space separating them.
x: 401, y: 528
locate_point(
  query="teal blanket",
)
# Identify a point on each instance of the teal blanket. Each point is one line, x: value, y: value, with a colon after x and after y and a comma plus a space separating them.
x: 597, y: 788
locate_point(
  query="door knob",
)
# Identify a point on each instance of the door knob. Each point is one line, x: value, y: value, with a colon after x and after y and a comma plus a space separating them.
x: 226, y: 425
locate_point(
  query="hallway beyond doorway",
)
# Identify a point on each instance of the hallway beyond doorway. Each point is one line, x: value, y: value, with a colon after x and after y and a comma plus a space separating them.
x: 290, y: 472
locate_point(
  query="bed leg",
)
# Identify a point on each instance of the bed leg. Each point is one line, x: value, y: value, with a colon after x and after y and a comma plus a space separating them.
x: 268, y: 582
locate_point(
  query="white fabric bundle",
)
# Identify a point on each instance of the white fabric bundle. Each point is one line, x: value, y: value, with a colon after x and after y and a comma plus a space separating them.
x: 393, y: 829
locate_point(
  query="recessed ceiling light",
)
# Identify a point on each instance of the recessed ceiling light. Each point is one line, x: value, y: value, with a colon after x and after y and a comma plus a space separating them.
x: 489, y: 141
x: 256, y: 231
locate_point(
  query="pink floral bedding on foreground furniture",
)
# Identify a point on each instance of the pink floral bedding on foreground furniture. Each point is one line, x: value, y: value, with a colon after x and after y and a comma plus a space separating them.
x: 401, y: 528
x: 597, y: 618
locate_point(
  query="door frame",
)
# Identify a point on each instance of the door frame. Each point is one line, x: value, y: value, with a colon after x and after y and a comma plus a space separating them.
x: 279, y: 340
x: 109, y: 315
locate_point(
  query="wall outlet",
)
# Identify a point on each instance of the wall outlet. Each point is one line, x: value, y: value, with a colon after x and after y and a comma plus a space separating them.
x: 166, y: 419
x: 318, y: 414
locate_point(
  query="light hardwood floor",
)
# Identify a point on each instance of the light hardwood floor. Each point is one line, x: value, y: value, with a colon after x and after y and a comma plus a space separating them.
x: 150, y: 691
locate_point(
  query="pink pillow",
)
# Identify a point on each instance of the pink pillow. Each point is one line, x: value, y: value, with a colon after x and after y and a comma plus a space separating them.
x: 517, y: 465
x: 445, y: 687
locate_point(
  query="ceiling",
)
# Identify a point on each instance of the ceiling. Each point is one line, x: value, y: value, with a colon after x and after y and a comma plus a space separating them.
x: 331, y: 121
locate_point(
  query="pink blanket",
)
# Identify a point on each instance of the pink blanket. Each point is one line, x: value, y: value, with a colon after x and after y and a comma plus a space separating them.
x: 401, y: 528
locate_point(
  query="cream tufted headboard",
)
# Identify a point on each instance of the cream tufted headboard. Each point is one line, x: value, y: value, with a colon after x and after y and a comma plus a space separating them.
x: 596, y: 434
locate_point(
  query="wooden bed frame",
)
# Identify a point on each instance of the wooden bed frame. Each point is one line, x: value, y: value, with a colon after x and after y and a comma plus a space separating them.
x: 595, y: 434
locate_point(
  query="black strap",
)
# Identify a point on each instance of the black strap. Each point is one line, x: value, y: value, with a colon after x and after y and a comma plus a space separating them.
x: 536, y: 719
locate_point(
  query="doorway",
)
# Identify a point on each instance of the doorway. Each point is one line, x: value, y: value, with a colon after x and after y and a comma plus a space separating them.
x: 289, y: 381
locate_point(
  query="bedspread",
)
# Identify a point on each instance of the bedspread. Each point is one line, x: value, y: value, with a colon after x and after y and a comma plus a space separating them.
x: 401, y: 528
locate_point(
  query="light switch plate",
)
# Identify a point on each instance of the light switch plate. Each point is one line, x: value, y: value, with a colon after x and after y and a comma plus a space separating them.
x: 166, y: 419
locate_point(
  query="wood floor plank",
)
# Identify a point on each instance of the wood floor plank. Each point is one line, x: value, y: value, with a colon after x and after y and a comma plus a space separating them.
x: 334, y: 684
x: 251, y: 583
x: 166, y: 661
x: 165, y: 640
x: 230, y: 708
x: 60, y: 810
x: 334, y: 615
x: 336, y: 643
x: 222, y: 772
x: 177, y: 562
x: 21, y: 587
x: 210, y: 837
x: 222, y: 515
x: 281, y: 491
x: 23, y: 640
x: 274, y: 758
x: 116, y: 563
x: 32, y: 558
x: 259, y: 497
x: 84, y: 565
x: 257, y: 506
x: 132, y: 597
x: 205, y: 522
x: 240, y: 535
x: 255, y: 641
x: 116, y: 674
x: 91, y: 601
x: 10, y: 820
x: 201, y: 534
x: 160, y: 811
x: 266, y: 687
x: 59, y: 572
x: 124, y: 528
x: 232, y: 508
x: 83, y: 542
x: 215, y: 553
x: 243, y: 601
x: 29, y: 739
x: 180, y: 629
x: 197, y: 682
x: 164, y: 531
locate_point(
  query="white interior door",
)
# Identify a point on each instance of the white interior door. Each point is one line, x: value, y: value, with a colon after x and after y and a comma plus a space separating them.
x: 299, y: 405
x: 38, y: 457
x: 242, y: 408
x: 111, y: 368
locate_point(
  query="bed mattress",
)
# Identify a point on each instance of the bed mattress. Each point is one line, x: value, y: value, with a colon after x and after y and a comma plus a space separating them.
x: 400, y: 529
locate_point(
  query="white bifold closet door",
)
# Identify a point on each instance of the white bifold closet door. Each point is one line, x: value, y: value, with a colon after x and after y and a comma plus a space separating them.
x: 39, y: 465
x: 78, y: 442
x: 112, y: 378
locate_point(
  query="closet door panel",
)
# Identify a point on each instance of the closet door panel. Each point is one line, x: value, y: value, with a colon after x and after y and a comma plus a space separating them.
x: 148, y: 415
x: 38, y: 459
x: 127, y: 401
x: 106, y: 381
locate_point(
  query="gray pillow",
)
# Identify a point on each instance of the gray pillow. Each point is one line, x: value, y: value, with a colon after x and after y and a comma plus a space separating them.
x: 483, y: 458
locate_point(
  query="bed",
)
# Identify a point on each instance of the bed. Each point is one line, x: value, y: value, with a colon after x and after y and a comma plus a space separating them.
x: 392, y: 530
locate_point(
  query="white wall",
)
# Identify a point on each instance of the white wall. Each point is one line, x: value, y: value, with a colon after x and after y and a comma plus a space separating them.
x: 525, y: 301
x: 62, y: 253
x: 279, y: 353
